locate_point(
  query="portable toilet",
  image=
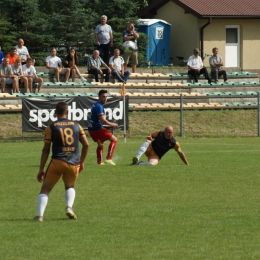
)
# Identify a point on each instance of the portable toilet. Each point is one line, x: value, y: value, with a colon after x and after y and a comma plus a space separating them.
x: 159, y: 33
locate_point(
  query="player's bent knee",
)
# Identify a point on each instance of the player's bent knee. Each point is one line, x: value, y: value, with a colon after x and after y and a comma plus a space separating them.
x: 113, y: 138
x: 68, y: 186
x: 154, y: 163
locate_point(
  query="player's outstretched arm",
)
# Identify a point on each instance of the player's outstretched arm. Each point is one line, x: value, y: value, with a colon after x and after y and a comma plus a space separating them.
x: 181, y: 154
x: 84, y: 151
x: 183, y: 157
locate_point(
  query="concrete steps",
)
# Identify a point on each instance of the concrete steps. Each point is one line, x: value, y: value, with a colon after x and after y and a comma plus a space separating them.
x: 151, y: 91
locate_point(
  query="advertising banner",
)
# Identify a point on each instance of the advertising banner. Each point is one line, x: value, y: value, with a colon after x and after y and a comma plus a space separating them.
x: 37, y: 113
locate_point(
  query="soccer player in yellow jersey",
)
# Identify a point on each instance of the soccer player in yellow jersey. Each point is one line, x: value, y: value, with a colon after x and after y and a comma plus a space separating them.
x: 156, y: 145
x: 64, y: 135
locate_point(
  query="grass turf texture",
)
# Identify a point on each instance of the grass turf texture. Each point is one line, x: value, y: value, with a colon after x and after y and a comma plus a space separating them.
x: 196, y: 123
x: 207, y: 210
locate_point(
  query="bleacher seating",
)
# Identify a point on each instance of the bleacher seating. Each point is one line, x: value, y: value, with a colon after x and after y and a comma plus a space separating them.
x: 152, y: 91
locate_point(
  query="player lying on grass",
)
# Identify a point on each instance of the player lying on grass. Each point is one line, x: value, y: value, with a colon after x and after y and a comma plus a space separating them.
x: 154, y: 150
x: 65, y: 136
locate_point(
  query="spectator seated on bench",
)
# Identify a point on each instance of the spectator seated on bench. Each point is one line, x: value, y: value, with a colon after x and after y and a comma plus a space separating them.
x: 196, y: 66
x: 30, y: 72
x: 54, y: 64
x: 7, y: 77
x: 71, y: 61
x: 216, y: 62
x: 94, y: 66
x: 116, y: 64
x: 18, y: 72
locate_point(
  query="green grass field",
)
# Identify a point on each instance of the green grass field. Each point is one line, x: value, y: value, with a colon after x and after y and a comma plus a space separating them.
x: 207, y: 210
x: 196, y: 123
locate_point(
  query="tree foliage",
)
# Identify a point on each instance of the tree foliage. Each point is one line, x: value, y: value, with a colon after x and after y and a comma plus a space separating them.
x: 119, y: 13
x: 71, y: 25
x: 6, y: 39
x: 28, y: 23
x: 63, y: 24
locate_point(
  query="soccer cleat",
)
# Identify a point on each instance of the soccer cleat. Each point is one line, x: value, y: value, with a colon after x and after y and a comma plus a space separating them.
x: 102, y: 163
x: 141, y: 163
x: 135, y: 160
x: 70, y: 213
x: 38, y: 218
x: 110, y: 162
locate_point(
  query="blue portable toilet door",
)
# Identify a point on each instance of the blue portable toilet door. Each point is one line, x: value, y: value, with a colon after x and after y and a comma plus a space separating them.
x: 157, y: 45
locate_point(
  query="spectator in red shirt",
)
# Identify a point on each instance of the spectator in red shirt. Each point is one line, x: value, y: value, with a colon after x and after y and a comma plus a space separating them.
x: 12, y: 56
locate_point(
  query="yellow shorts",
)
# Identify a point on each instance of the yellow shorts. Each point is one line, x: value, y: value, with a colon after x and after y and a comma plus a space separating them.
x: 150, y: 153
x: 58, y: 168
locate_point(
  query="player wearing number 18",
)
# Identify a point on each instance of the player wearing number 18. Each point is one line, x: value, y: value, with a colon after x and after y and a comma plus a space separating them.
x: 64, y: 135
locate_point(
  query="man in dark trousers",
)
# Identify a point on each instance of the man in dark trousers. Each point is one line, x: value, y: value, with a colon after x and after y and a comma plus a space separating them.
x: 196, y: 67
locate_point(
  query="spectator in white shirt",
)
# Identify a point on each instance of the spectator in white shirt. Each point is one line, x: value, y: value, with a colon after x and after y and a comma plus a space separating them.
x: 116, y: 64
x: 30, y: 72
x: 196, y: 67
x: 54, y: 64
x: 22, y: 51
